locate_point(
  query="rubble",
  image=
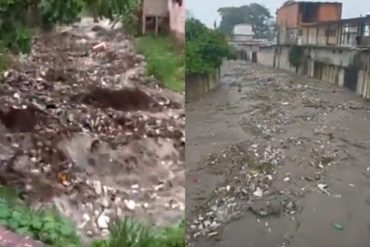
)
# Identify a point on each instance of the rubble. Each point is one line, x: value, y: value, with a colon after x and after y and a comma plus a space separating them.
x: 89, y: 132
x: 292, y: 134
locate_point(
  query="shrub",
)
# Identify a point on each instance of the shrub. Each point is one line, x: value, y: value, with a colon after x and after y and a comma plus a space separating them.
x: 205, y: 48
x: 296, y: 54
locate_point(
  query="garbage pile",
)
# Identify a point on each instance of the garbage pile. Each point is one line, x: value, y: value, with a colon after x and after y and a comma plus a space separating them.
x: 83, y: 128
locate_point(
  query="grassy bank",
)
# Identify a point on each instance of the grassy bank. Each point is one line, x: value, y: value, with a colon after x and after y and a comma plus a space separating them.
x: 51, y: 228
x: 164, y: 61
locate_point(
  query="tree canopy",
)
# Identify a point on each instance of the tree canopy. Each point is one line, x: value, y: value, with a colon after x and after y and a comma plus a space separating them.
x: 255, y: 14
x: 205, y: 48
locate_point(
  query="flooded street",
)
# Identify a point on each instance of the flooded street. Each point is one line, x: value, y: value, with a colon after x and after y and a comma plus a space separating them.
x: 275, y: 159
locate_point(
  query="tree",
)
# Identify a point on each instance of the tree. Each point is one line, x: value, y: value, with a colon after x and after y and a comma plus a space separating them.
x: 205, y: 48
x: 255, y: 14
x: 18, y: 17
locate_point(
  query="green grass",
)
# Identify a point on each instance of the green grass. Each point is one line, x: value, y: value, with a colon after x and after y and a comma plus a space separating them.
x: 130, y: 233
x: 51, y: 228
x: 164, y: 61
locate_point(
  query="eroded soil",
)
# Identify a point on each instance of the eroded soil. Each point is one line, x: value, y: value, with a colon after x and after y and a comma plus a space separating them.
x: 282, y: 162
x: 87, y: 131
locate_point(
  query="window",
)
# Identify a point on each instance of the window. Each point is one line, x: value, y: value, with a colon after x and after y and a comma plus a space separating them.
x: 367, y: 30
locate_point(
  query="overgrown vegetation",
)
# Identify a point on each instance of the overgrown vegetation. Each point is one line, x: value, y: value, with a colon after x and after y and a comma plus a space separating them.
x: 164, y: 61
x: 51, y: 228
x: 296, y: 55
x: 205, y: 48
x: 18, y: 17
x: 47, y: 226
x: 132, y: 234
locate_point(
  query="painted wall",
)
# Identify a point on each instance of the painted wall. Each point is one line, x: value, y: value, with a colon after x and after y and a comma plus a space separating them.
x: 242, y: 38
x: 243, y: 29
x: 288, y: 16
x: 330, y: 12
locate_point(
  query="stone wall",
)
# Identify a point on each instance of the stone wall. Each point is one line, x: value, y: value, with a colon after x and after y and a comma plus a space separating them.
x: 197, y: 85
x: 345, y: 67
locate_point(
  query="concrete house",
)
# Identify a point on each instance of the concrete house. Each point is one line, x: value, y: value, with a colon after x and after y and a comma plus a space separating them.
x: 163, y: 16
x: 292, y: 16
x: 354, y: 32
x: 242, y: 33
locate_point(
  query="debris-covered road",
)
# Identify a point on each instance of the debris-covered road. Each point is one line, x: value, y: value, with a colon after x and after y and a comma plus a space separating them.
x: 282, y: 162
x: 84, y: 129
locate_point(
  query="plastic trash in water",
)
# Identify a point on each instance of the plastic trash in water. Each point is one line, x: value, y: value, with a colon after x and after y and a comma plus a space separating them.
x: 338, y: 227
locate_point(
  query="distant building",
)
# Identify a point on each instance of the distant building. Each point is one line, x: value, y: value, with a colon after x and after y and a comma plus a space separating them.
x: 354, y: 32
x: 242, y: 33
x: 320, y: 24
x: 293, y: 15
x: 162, y: 16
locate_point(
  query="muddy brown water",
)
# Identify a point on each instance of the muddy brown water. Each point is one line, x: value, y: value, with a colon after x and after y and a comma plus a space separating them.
x: 339, y: 124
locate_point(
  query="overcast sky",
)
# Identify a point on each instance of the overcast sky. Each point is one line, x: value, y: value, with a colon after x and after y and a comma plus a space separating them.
x: 206, y: 10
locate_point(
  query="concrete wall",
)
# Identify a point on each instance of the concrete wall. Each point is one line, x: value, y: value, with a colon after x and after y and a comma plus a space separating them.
x: 155, y: 7
x: 242, y: 38
x: 345, y: 67
x: 197, y: 85
x: 330, y: 12
x: 287, y: 16
x: 177, y: 16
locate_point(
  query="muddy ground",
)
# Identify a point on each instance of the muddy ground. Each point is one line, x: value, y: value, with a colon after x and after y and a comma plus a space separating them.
x: 282, y: 162
x: 83, y: 128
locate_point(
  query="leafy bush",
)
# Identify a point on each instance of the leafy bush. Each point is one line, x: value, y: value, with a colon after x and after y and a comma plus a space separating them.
x: 56, y: 11
x: 164, y: 62
x: 46, y: 226
x: 205, y: 48
x: 52, y: 229
x: 296, y: 54
x: 17, y: 17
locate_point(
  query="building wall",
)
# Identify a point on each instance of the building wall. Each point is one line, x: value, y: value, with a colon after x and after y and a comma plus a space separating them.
x: 177, y: 16
x: 242, y: 38
x: 341, y: 66
x: 177, y: 19
x: 197, y: 85
x: 243, y: 29
x: 330, y: 12
x: 155, y: 8
x: 288, y: 16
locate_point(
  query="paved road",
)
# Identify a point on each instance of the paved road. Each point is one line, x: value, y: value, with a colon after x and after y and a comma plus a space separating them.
x: 297, y: 148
